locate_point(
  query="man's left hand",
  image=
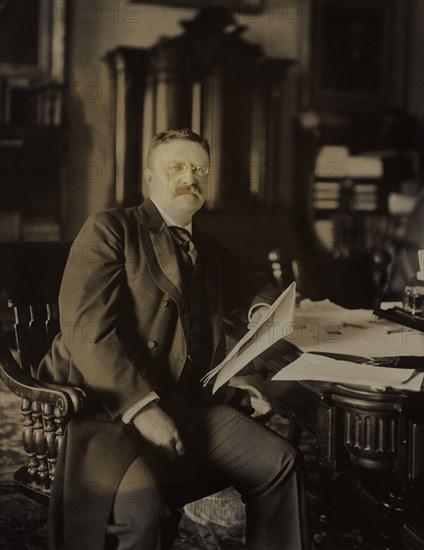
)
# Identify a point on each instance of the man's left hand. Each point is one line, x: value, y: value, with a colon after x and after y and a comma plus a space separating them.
x: 257, y: 316
x: 253, y: 396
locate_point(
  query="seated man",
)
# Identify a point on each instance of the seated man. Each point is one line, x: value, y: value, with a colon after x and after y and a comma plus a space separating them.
x: 141, y: 302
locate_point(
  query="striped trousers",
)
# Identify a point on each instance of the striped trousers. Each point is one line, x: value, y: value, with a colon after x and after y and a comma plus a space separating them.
x: 223, y: 447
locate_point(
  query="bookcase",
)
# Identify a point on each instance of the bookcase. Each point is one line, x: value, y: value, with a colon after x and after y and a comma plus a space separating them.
x: 358, y: 180
x: 31, y: 118
x: 208, y: 78
x: 361, y: 200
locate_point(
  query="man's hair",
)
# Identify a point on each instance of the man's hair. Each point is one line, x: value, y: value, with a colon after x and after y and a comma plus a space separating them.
x: 170, y: 135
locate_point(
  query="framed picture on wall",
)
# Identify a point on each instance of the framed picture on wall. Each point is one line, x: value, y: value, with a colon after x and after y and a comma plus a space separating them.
x: 357, y: 53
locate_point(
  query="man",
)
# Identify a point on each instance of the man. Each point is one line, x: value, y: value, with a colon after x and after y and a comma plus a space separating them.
x: 141, y: 303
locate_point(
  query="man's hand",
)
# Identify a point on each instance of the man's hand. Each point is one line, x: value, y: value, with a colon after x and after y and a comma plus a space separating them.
x: 257, y: 315
x: 157, y: 427
x: 253, y: 397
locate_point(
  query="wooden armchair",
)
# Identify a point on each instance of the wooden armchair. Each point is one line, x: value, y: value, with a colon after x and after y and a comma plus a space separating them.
x: 30, y: 278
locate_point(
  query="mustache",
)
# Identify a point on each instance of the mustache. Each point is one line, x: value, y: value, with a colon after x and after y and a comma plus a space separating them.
x: 193, y: 188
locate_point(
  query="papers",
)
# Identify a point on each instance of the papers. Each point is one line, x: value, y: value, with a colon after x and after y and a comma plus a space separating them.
x: 364, y: 167
x: 316, y: 367
x: 278, y: 322
x: 334, y: 161
x: 325, y: 327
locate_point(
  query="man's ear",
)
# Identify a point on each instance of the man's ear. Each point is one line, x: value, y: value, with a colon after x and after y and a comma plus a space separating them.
x: 148, y: 177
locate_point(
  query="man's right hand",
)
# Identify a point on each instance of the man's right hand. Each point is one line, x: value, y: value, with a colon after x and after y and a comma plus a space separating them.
x: 157, y: 427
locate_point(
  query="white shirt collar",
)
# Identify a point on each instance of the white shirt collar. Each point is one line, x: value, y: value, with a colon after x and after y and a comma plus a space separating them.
x: 169, y: 221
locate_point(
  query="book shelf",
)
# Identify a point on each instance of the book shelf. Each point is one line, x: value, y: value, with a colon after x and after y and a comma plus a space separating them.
x: 363, y: 203
x: 32, y: 75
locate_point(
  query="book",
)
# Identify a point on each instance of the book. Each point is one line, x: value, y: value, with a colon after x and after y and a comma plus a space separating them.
x: 327, y: 186
x: 322, y: 204
x: 365, y: 188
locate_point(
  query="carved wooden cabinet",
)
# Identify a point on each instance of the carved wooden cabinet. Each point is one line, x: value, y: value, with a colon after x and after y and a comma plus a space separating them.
x: 213, y: 81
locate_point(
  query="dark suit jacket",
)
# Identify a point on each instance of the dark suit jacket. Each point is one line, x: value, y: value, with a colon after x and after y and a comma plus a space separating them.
x: 124, y: 327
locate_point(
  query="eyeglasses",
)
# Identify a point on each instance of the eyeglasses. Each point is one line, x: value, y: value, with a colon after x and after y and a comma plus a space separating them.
x: 179, y: 168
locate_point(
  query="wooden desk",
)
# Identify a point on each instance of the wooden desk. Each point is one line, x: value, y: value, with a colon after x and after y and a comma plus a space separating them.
x: 373, y: 440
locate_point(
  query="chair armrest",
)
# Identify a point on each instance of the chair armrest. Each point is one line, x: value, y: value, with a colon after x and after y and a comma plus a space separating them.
x: 67, y: 400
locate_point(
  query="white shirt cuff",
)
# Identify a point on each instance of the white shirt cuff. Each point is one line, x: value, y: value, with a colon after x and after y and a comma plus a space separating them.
x: 135, y: 409
x: 252, y: 309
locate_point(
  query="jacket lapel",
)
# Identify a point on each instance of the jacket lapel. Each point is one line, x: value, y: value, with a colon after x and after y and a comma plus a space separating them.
x: 159, y: 249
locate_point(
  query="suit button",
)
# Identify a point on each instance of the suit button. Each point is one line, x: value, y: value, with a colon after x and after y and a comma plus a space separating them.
x: 165, y: 303
x: 151, y: 344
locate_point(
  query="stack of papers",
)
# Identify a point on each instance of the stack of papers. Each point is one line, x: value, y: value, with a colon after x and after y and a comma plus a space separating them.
x: 326, y: 328
x: 325, y: 369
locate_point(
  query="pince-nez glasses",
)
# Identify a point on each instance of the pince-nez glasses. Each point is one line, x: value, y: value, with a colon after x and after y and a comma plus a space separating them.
x: 179, y: 168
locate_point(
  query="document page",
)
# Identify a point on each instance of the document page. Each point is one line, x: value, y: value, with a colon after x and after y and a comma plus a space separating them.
x: 278, y: 322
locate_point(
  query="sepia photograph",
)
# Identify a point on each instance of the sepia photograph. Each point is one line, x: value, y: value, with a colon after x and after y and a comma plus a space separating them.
x: 212, y: 274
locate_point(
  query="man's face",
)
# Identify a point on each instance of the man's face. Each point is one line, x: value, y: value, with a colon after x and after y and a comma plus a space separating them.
x: 175, y: 177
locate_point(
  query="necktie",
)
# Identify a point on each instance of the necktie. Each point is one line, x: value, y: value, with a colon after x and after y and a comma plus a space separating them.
x: 183, y: 238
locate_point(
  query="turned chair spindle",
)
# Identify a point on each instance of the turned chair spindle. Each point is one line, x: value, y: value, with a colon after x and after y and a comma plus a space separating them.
x: 30, y: 278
